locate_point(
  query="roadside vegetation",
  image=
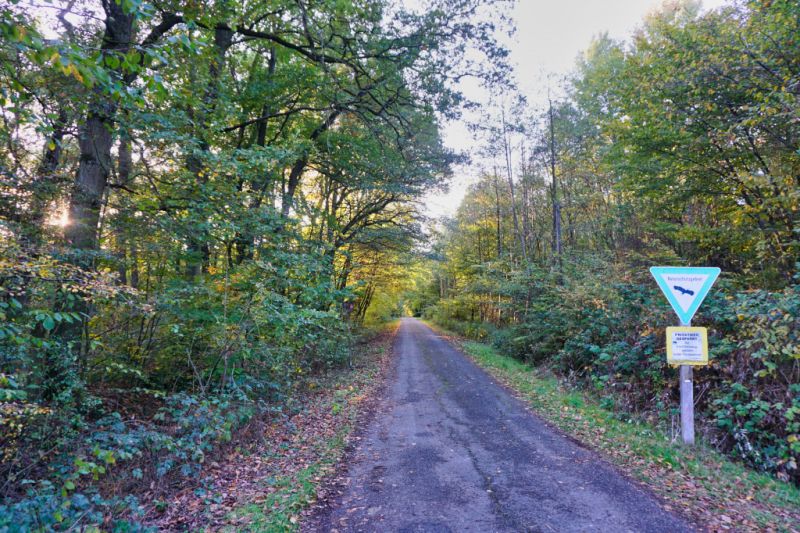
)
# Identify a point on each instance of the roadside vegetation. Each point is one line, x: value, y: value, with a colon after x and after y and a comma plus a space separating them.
x: 273, y: 481
x: 681, y: 147
x: 204, y: 204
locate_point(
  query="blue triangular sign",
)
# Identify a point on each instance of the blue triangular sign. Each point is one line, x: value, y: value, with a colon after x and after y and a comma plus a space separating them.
x: 685, y: 287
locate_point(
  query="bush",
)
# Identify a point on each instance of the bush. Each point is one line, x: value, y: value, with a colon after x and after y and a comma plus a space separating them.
x: 93, y: 410
x: 757, y: 403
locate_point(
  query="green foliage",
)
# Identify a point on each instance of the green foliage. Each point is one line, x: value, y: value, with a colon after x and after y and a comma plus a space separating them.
x: 183, y: 431
x: 603, y: 327
x: 235, y: 344
x: 678, y: 148
x: 698, y: 110
x: 758, y: 402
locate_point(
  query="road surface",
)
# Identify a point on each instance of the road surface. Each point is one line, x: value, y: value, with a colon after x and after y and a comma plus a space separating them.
x: 450, y: 450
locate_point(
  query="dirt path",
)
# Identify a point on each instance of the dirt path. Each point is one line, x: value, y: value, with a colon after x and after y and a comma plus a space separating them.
x: 450, y: 450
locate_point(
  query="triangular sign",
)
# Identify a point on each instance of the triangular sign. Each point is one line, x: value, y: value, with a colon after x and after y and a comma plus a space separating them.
x: 685, y: 287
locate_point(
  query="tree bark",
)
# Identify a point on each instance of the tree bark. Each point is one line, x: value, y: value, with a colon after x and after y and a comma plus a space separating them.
x: 43, y: 188
x: 124, y: 167
x: 300, y: 165
x: 95, y: 139
x: 497, y: 215
x: 199, y: 246
x: 510, y: 177
x: 554, y: 196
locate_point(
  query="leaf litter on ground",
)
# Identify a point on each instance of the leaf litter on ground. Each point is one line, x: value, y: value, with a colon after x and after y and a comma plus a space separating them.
x: 265, y: 483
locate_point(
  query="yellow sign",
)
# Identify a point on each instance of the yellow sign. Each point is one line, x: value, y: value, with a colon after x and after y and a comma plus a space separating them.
x: 687, y: 346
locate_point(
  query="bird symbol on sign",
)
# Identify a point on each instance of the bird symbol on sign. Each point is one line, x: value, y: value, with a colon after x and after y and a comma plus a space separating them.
x: 682, y: 290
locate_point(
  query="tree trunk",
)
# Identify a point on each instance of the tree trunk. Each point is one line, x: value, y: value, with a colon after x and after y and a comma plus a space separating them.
x: 96, y: 138
x: 497, y: 215
x: 199, y: 247
x: 510, y: 177
x: 124, y: 166
x: 300, y: 165
x: 245, y: 239
x: 526, y: 221
x: 43, y: 188
x: 554, y: 196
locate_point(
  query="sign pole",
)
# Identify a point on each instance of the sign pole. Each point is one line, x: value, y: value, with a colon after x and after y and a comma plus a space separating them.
x: 687, y: 400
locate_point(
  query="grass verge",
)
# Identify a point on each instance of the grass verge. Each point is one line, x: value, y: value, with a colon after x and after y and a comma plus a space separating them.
x: 700, y: 483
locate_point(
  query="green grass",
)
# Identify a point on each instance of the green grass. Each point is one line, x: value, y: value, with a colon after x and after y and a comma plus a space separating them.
x: 699, y: 480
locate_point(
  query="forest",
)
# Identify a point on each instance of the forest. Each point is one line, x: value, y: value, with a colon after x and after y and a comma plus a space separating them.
x: 198, y: 202
x: 205, y: 204
x: 679, y: 148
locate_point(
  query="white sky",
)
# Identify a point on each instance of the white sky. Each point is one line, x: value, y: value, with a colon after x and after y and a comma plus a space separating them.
x: 550, y: 36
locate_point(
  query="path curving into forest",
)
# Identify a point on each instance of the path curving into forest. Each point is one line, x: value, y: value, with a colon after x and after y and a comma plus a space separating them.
x: 451, y: 450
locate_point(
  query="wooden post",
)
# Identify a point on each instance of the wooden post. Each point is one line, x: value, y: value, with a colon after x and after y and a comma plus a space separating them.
x: 687, y: 401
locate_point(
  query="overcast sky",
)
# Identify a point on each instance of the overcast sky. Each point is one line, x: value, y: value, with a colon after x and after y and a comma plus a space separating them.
x: 550, y: 36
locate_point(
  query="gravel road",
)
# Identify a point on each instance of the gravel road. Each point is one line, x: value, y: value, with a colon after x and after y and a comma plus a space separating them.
x: 450, y: 450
